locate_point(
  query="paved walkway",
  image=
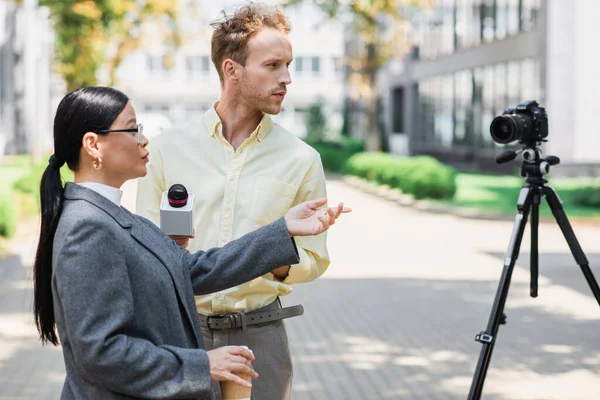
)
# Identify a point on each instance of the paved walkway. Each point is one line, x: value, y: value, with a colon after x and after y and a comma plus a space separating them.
x: 395, y: 315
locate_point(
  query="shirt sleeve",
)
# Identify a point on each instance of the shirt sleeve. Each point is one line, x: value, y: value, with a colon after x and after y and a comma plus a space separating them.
x: 151, y: 187
x: 314, y: 258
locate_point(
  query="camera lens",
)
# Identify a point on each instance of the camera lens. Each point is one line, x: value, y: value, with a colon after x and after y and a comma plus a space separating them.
x: 507, y: 128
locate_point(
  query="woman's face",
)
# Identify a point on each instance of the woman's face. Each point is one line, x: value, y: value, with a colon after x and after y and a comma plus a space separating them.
x: 123, y: 158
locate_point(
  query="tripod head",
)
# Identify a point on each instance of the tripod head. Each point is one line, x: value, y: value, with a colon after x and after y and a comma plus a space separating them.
x: 535, y: 165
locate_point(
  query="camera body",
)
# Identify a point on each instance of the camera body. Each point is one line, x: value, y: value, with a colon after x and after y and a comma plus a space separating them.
x: 527, y: 123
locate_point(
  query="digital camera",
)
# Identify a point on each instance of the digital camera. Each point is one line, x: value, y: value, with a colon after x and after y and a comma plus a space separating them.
x: 527, y: 123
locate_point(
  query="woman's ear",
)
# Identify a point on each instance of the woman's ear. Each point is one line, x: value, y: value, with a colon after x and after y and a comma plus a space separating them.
x: 91, y: 144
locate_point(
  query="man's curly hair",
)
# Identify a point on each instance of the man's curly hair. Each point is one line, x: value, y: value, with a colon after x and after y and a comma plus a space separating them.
x: 232, y: 32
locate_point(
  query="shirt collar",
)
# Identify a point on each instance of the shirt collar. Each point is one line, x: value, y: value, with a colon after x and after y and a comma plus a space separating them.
x: 214, y: 124
x: 111, y: 193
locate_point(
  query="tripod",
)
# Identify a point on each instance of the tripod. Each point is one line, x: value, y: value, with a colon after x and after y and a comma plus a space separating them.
x: 533, y: 169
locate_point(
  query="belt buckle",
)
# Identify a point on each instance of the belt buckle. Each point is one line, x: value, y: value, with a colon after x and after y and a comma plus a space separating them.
x: 238, y: 320
x: 213, y: 319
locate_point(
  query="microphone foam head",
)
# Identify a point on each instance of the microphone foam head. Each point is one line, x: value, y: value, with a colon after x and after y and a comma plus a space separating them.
x: 177, y: 196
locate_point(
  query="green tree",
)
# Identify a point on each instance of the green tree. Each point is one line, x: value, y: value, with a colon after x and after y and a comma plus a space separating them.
x: 381, y: 35
x: 86, y: 30
x: 316, y: 123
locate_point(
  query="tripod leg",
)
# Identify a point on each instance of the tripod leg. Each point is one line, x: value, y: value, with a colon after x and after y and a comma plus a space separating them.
x: 563, y: 222
x: 488, y: 337
x: 533, y: 260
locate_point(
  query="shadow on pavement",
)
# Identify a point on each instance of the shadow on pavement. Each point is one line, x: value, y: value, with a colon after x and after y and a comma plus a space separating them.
x: 414, y: 339
x: 27, y: 370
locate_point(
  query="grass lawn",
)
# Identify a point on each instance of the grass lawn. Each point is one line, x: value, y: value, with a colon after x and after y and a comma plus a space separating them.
x: 11, y: 169
x: 498, y: 194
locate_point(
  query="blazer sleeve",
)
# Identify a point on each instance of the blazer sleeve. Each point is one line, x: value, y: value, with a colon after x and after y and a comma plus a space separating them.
x: 243, y: 259
x: 94, y: 291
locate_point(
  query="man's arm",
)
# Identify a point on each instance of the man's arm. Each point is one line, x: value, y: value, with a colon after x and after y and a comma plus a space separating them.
x: 314, y: 258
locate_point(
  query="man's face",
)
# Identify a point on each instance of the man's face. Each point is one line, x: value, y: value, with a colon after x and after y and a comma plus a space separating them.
x: 265, y: 76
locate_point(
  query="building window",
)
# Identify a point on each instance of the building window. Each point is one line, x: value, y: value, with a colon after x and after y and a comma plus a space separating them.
x: 512, y: 16
x: 513, y: 84
x: 157, y: 65
x: 462, y: 105
x: 197, y: 67
x: 500, y: 102
x: 529, y: 14
x: 298, y: 65
x: 307, y: 66
x: 501, y: 19
x: 338, y: 65
x: 316, y: 65
x: 446, y: 114
x: 487, y: 16
x: 489, y: 109
x: 157, y: 108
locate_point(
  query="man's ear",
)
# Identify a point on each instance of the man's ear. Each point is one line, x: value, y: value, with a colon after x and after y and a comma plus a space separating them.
x: 231, y: 69
x: 91, y: 144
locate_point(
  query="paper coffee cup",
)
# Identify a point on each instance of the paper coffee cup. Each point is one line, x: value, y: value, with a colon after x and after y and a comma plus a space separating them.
x: 232, y: 391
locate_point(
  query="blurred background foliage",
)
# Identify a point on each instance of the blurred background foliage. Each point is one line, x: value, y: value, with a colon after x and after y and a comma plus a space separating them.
x: 94, y: 34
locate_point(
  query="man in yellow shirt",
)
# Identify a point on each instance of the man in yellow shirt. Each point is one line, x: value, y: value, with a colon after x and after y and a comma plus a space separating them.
x: 245, y: 171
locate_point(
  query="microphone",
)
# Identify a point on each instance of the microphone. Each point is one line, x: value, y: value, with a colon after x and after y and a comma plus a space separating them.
x: 176, y: 211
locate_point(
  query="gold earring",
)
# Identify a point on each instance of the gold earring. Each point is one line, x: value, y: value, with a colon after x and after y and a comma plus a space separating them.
x: 97, y: 163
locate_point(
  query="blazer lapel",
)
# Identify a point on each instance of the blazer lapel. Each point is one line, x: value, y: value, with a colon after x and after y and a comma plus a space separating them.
x: 137, y: 231
x: 154, y: 246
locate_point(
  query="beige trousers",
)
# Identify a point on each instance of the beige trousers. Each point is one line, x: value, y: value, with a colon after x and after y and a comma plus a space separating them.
x: 269, y: 343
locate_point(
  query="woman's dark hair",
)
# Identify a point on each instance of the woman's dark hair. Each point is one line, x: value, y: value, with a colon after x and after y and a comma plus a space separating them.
x: 85, y: 110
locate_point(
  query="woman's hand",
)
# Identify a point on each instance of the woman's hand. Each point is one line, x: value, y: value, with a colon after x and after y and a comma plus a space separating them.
x: 308, y: 218
x: 224, y: 361
x: 183, y: 241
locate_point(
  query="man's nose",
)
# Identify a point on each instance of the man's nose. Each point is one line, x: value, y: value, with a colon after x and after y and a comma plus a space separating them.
x: 286, y: 77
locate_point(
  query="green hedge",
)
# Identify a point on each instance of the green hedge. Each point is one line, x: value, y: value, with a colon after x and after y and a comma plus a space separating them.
x: 588, y: 196
x: 335, y: 154
x: 8, y: 217
x: 421, y: 176
x: 29, y: 183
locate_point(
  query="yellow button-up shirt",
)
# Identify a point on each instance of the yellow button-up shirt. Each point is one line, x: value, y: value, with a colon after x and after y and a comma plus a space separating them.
x: 237, y: 192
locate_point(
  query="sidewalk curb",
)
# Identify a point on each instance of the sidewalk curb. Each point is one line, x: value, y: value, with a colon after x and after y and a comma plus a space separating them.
x: 404, y: 200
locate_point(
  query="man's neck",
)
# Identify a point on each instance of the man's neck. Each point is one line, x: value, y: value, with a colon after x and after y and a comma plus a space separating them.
x: 238, y: 121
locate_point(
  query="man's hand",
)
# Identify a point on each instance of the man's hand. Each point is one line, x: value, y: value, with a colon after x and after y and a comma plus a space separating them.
x: 308, y: 218
x: 224, y: 361
x: 282, y: 272
x: 182, y: 241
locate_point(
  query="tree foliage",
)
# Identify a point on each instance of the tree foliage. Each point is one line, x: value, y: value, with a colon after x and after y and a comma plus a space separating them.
x: 91, y: 34
x: 381, y: 34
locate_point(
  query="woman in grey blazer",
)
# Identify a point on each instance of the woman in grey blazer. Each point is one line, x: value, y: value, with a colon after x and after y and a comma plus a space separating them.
x: 119, y: 292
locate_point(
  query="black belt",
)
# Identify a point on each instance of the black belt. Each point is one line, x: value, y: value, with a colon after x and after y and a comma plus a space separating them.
x: 241, y: 320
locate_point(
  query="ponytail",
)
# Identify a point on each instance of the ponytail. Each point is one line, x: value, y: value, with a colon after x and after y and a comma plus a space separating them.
x: 51, y: 192
x: 84, y: 110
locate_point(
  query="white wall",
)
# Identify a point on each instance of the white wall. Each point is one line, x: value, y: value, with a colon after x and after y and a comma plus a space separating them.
x: 573, y: 83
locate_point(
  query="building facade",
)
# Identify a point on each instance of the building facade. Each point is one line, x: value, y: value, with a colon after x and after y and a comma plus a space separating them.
x: 29, y: 90
x: 180, y: 90
x: 474, y: 58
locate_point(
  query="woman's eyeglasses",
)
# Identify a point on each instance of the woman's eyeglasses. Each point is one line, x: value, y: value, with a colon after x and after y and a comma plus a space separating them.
x: 139, y: 130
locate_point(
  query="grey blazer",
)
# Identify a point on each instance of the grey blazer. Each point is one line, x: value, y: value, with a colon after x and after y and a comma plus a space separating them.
x: 124, y: 299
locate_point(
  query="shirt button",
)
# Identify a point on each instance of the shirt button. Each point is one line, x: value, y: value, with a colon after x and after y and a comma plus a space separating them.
x: 229, y: 150
x: 231, y: 177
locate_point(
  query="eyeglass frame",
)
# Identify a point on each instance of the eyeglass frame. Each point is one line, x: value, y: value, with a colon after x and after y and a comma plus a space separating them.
x: 139, y: 129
